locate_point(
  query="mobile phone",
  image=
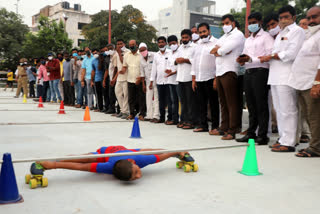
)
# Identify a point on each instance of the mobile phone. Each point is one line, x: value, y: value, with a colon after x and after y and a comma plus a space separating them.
x: 242, y: 55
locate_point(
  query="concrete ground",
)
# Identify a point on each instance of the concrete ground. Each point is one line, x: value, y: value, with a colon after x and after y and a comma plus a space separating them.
x: 288, y: 184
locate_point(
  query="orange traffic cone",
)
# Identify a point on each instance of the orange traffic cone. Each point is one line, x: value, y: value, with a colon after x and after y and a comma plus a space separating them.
x: 61, y: 111
x: 87, y: 115
x: 40, y: 103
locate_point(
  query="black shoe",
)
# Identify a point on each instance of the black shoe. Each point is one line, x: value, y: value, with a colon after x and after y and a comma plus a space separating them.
x: 244, y: 139
x: 36, y: 169
x: 111, y: 111
x: 262, y: 140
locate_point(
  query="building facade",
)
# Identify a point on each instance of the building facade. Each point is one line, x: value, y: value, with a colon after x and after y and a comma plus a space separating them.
x: 185, y: 14
x: 74, y: 18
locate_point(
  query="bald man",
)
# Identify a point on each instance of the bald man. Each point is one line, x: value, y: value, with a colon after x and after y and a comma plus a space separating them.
x: 136, y: 96
x: 305, y: 78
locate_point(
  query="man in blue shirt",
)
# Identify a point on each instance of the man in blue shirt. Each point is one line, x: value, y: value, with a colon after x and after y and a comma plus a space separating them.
x: 98, y: 69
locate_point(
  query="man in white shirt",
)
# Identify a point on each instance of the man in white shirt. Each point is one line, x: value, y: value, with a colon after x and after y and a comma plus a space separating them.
x: 195, y: 35
x: 203, y: 72
x: 158, y: 75
x: 285, y: 50
x: 121, y: 88
x: 260, y: 43
x: 152, y: 99
x: 229, y: 47
x: 305, y: 78
x: 184, y: 78
x: 171, y: 71
x: 131, y: 65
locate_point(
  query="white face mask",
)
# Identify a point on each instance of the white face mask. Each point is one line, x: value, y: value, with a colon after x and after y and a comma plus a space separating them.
x: 29, y: 67
x: 21, y: 63
x: 173, y: 47
x: 195, y: 37
x: 50, y: 58
x: 107, y: 53
x: 111, y: 52
x: 96, y: 56
x: 123, y: 48
x: 227, y: 28
x: 274, y: 31
x: 205, y: 40
x: 162, y: 49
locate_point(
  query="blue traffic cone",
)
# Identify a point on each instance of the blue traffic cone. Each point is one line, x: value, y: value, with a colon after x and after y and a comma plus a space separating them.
x: 135, y: 129
x: 9, y: 192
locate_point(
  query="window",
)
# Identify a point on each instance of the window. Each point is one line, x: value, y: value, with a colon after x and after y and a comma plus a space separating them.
x: 81, y: 25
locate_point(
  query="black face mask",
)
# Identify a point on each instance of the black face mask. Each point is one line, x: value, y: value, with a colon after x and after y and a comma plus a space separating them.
x: 43, y: 62
x: 185, y: 42
x: 68, y: 59
x: 88, y: 53
x: 133, y: 48
x: 60, y: 59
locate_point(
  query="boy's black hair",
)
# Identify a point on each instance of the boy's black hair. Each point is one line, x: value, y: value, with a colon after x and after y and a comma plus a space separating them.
x: 172, y: 38
x: 186, y: 32
x: 228, y: 16
x: 287, y: 8
x: 162, y: 38
x: 204, y: 24
x: 270, y: 17
x: 122, y: 170
x: 255, y: 15
x: 120, y: 40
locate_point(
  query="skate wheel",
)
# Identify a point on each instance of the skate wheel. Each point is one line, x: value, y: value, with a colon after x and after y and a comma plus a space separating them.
x: 33, y: 183
x: 187, y: 168
x: 44, y: 182
x: 195, y: 168
x: 27, y: 178
x: 179, y: 164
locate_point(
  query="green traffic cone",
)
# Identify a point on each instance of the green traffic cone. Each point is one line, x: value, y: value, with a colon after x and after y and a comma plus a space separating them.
x: 250, y: 164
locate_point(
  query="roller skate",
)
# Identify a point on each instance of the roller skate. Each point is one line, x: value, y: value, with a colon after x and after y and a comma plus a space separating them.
x: 187, y: 163
x: 36, y: 179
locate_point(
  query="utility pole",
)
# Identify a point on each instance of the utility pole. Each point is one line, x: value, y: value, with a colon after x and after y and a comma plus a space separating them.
x: 17, y: 7
x: 109, y: 22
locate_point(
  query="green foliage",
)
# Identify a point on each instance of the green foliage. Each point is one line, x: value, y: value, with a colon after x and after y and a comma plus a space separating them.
x: 128, y: 24
x: 267, y: 7
x: 51, y: 37
x: 12, y: 35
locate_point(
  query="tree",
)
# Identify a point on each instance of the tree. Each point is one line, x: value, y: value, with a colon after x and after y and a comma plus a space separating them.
x: 12, y: 35
x: 128, y: 24
x: 51, y: 37
x: 266, y: 7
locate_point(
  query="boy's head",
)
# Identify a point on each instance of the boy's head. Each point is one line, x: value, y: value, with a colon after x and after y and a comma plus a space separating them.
x: 126, y: 170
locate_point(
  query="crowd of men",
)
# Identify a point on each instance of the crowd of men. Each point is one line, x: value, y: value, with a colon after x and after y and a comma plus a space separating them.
x: 197, y: 82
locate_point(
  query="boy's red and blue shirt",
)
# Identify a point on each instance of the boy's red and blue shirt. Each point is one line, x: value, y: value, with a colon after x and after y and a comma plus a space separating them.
x: 105, y: 165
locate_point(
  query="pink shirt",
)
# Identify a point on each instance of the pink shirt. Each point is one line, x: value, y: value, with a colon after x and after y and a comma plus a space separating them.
x: 260, y: 45
x: 43, y: 73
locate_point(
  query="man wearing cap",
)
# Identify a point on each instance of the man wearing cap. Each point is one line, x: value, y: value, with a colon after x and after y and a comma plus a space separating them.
x: 152, y: 100
x: 22, y: 77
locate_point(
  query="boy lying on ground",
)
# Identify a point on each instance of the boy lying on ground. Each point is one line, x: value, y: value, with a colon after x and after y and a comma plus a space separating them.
x: 126, y: 168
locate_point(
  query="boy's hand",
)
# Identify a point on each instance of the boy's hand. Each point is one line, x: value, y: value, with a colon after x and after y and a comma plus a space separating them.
x: 182, y: 154
x: 48, y: 164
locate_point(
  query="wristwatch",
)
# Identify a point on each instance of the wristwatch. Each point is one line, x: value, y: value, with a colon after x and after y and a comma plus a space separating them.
x: 272, y: 55
x: 316, y: 83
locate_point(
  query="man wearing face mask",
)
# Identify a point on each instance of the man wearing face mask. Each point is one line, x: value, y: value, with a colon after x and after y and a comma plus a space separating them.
x: 44, y: 75
x: 120, y: 80
x: 152, y: 100
x: 171, y: 71
x: 32, y: 73
x: 86, y: 75
x: 53, y: 70
x: 286, y: 47
x: 61, y: 61
x: 305, y: 78
x: 67, y: 76
x: 227, y: 50
x: 136, y: 96
x: 22, y: 78
x: 195, y: 34
x: 203, y: 71
x: 272, y: 24
x: 260, y: 43
x: 184, y: 78
x: 158, y: 75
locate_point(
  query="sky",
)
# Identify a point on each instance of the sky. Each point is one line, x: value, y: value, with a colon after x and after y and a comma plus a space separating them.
x: 150, y: 8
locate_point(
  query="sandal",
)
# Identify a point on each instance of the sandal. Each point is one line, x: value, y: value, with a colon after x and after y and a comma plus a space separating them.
x: 180, y: 125
x: 304, y: 139
x: 200, y: 130
x: 228, y: 137
x: 217, y: 132
x: 306, y: 153
x: 282, y: 148
x: 187, y: 126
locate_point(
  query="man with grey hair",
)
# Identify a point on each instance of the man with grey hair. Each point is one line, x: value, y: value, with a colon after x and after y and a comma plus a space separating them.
x: 305, y: 78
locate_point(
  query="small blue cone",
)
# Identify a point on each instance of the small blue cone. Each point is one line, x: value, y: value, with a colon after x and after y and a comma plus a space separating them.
x: 9, y: 192
x: 135, y: 129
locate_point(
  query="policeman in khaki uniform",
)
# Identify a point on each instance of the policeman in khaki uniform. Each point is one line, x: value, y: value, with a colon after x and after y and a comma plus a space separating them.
x: 22, y: 77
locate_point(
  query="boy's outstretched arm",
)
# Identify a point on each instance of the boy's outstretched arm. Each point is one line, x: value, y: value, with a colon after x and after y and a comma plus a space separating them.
x: 165, y: 156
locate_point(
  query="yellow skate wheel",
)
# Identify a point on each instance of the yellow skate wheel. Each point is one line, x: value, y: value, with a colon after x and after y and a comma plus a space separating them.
x: 187, y: 168
x: 44, y: 182
x: 28, y: 178
x: 179, y: 164
x: 195, y: 168
x: 33, y: 183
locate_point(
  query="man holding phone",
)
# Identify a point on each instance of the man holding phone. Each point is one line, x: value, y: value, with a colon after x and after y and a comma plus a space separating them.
x: 260, y: 43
